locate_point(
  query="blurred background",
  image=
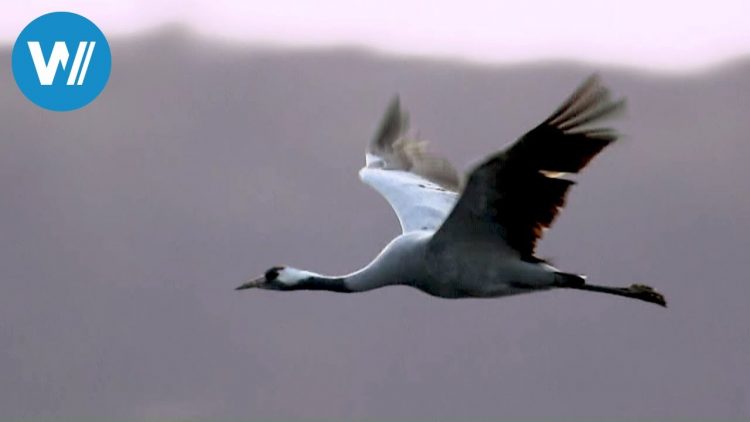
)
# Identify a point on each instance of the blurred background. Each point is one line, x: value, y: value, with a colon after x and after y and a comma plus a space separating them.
x: 228, y: 141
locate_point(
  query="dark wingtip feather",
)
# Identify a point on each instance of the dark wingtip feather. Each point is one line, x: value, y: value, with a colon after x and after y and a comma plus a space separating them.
x: 590, y: 102
x: 563, y: 142
x: 591, y: 84
x: 601, y: 110
x: 393, y: 124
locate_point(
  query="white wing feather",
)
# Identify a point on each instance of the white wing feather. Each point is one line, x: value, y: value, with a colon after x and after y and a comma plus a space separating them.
x: 421, y: 187
x: 418, y: 203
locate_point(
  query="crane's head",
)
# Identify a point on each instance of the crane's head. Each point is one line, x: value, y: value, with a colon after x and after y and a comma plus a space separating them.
x: 277, y: 278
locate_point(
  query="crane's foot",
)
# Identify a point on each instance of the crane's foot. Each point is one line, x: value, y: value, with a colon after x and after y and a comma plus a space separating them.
x: 646, y: 293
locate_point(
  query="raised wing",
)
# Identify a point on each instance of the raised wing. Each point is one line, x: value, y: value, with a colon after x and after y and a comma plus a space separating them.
x: 516, y: 193
x: 421, y: 187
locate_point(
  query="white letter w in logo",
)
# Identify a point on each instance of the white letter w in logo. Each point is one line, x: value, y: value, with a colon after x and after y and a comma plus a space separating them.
x: 46, y: 71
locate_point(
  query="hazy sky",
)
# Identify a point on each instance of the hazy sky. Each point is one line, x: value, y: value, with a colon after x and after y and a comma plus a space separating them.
x: 669, y: 34
x: 126, y: 225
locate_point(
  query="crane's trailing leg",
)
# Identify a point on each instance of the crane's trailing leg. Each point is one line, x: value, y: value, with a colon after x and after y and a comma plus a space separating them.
x: 635, y: 291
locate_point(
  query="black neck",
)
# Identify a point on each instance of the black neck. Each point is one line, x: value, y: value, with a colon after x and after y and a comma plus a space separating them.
x: 331, y: 284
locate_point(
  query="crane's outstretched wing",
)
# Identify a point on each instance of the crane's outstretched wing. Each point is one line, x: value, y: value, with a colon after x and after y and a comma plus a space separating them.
x: 421, y: 187
x: 517, y: 193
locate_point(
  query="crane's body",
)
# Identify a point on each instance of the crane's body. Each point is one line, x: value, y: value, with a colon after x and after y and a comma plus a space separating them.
x: 474, y: 239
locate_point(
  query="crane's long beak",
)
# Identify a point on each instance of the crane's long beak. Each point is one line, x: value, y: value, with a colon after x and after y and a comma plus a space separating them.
x: 251, y: 284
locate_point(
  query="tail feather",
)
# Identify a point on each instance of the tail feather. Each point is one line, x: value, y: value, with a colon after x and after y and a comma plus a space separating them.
x: 569, y: 280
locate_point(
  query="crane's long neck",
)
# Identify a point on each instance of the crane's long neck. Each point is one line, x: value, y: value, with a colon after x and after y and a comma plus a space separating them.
x: 314, y: 281
x: 396, y: 264
x: 367, y: 278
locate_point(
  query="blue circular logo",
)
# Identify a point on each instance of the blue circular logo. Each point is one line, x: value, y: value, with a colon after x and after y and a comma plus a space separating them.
x: 61, y: 61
